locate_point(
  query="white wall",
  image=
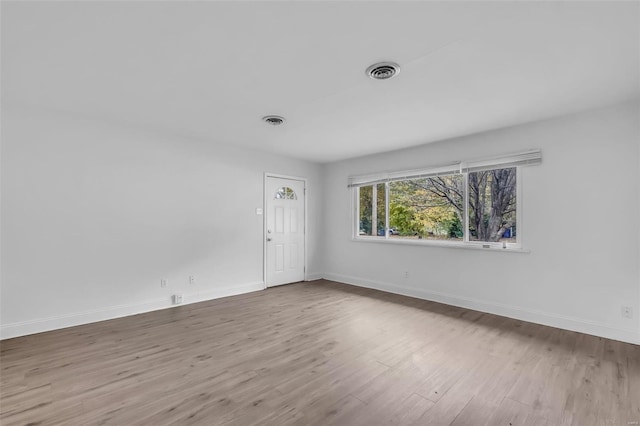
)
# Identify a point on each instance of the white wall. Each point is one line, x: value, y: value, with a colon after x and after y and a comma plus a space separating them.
x: 581, y: 225
x: 94, y: 215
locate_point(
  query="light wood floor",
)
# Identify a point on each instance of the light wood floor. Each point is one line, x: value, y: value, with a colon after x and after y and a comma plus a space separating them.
x: 317, y: 354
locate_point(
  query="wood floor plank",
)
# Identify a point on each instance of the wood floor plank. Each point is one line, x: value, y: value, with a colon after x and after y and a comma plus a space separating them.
x: 316, y: 354
x: 510, y: 412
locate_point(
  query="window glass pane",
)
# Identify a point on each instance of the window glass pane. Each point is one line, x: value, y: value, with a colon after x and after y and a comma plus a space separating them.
x: 366, y: 213
x: 492, y: 205
x: 429, y: 208
x: 285, y: 193
x: 370, y: 215
x: 381, y: 216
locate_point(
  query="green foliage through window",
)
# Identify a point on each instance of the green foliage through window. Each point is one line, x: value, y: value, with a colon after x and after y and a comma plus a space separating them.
x: 428, y: 208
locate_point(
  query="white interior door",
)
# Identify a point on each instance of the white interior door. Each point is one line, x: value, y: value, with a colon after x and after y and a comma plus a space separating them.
x: 285, y: 230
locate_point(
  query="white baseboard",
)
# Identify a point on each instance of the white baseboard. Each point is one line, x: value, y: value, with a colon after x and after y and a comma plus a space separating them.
x: 314, y: 277
x: 538, y: 317
x: 24, y: 328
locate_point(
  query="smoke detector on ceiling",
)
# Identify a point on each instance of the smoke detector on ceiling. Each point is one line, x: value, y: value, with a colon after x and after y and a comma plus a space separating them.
x: 274, y: 120
x: 383, y: 70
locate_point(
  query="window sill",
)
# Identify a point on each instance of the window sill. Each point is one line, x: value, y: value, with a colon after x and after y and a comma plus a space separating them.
x: 442, y: 244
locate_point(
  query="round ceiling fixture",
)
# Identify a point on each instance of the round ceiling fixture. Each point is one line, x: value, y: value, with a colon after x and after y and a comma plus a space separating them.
x: 383, y: 70
x: 274, y: 120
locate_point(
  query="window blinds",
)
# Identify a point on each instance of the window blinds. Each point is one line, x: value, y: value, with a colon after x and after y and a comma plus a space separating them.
x: 526, y: 158
x: 367, y: 180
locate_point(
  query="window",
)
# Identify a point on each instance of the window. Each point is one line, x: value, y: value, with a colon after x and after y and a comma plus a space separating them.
x: 285, y: 193
x: 372, y: 210
x: 492, y: 205
x: 430, y: 208
x: 471, y: 203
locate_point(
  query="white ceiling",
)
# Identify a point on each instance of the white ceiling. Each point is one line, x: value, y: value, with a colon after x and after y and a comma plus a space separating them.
x: 211, y: 70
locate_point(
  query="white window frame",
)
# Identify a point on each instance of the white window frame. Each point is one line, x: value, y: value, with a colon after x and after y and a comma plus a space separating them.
x: 518, y: 161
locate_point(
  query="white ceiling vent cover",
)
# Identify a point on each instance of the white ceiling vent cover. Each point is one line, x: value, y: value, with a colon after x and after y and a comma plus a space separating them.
x: 383, y: 70
x: 274, y: 120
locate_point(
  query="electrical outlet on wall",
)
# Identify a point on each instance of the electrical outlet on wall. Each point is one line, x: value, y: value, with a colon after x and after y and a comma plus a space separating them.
x: 163, y: 283
x: 406, y: 274
x: 192, y: 279
x: 177, y: 299
x: 626, y: 311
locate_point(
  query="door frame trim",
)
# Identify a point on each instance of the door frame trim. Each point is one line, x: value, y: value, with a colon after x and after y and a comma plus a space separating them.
x: 264, y: 221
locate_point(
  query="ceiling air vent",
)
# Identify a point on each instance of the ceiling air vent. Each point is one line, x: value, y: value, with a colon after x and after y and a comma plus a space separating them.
x: 274, y: 120
x: 383, y: 70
